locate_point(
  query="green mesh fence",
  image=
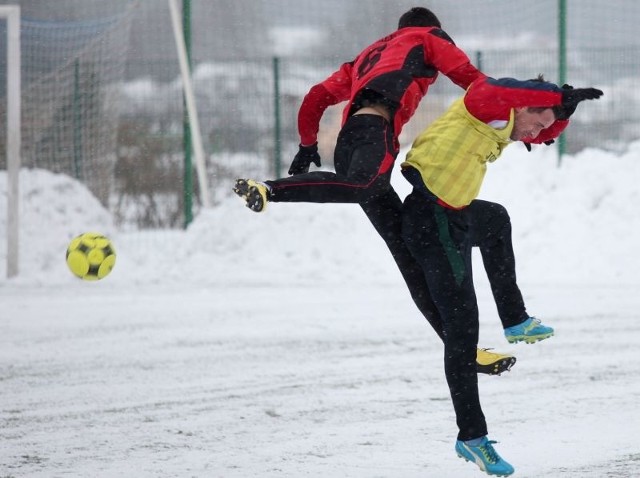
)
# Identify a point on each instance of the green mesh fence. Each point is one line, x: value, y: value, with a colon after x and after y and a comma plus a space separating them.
x: 72, y: 74
x: 140, y: 165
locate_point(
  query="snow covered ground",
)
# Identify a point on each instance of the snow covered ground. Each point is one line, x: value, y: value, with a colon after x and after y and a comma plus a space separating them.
x: 285, y: 344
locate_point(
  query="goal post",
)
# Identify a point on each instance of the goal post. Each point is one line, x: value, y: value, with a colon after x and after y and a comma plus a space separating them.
x: 11, y: 13
x: 190, y: 101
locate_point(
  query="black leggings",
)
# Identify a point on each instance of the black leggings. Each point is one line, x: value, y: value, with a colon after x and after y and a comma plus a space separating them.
x: 441, y: 240
x: 365, y: 152
x: 363, y: 159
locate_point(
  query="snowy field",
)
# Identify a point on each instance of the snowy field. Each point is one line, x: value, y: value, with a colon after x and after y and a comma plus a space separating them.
x: 286, y: 345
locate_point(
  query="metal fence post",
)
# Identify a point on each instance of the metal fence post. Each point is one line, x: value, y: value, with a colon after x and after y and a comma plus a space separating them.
x: 562, y: 65
x: 277, y: 130
x: 186, y: 125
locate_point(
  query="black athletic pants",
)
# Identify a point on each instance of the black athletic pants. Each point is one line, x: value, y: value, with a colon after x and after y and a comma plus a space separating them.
x: 441, y: 240
x: 365, y: 152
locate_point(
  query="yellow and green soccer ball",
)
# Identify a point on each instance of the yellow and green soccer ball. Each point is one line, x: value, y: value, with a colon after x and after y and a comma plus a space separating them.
x: 91, y: 256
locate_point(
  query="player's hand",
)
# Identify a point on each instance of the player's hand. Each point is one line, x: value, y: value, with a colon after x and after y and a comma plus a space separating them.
x: 548, y: 142
x: 572, y: 96
x: 306, y: 155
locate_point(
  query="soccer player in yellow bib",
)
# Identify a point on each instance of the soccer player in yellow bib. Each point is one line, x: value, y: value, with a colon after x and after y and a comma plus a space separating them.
x: 442, y: 220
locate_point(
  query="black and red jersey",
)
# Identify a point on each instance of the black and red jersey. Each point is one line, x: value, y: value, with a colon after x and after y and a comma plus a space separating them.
x: 397, y: 69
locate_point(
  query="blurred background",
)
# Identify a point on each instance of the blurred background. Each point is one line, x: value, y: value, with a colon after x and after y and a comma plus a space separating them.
x: 102, y: 95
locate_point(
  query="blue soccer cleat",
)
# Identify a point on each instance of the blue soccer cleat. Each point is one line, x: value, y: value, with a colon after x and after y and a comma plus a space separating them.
x: 529, y: 331
x: 485, y: 456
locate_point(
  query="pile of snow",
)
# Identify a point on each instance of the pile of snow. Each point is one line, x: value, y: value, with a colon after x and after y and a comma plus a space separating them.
x: 53, y: 209
x: 572, y: 224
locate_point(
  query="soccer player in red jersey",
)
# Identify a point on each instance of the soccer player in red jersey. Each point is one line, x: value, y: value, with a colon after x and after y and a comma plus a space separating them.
x: 383, y: 86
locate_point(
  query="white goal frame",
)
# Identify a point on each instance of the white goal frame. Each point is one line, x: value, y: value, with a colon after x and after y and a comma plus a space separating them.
x: 12, y: 15
x: 192, y: 112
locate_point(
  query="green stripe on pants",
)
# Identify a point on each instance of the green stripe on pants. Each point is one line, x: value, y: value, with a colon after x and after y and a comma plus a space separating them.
x: 453, y: 254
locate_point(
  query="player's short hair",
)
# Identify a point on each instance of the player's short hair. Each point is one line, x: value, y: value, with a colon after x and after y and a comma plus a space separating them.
x: 418, y: 17
x: 558, y: 110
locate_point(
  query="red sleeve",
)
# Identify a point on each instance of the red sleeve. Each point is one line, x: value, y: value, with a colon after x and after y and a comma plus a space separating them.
x: 464, y: 75
x: 552, y: 132
x: 333, y: 90
x: 442, y: 52
x: 489, y: 99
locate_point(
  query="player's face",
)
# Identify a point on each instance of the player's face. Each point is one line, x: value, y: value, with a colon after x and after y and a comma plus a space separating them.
x: 529, y: 123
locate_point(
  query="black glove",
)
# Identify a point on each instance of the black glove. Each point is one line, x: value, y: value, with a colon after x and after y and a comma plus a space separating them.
x: 561, y: 111
x: 571, y: 97
x: 306, y: 155
x: 548, y: 142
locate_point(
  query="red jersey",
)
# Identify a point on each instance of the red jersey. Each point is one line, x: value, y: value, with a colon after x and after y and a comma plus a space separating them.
x: 397, y: 70
x: 491, y: 100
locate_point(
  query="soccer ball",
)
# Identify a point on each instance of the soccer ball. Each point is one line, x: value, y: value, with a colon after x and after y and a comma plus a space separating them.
x: 91, y: 256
